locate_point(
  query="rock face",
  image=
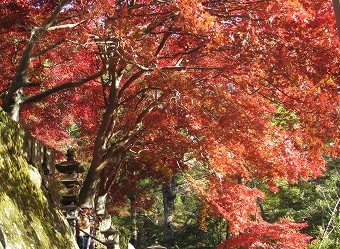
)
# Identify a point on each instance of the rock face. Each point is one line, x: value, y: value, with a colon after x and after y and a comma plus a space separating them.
x: 29, y: 214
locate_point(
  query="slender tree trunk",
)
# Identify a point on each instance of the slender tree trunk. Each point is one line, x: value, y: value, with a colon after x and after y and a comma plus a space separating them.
x: 134, y: 229
x: 14, y: 96
x: 169, y: 195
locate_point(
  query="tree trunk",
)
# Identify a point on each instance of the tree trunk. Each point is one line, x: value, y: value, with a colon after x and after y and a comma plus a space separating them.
x: 169, y: 195
x: 106, y: 152
x: 14, y: 96
x: 13, y: 106
x: 134, y: 229
x: 102, y: 156
x: 88, y: 191
x: 101, y: 204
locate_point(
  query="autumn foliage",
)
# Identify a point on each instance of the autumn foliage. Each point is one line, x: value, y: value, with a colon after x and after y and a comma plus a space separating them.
x: 283, y: 234
x: 245, y: 89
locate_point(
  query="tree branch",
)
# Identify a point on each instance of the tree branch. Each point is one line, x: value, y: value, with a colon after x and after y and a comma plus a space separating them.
x: 259, y: 200
x: 130, y: 135
x: 189, y: 51
x: 48, y: 48
x: 40, y: 96
x: 190, y: 68
x: 162, y: 43
x: 22, y: 73
x: 142, y: 91
x: 336, y: 8
x: 148, y: 69
x: 65, y: 26
x: 129, y: 82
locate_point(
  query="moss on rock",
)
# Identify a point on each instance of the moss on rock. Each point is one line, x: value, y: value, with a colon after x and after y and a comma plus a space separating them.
x: 28, y: 218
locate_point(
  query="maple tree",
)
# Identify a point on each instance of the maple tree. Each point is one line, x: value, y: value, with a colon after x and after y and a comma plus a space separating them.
x: 161, y: 83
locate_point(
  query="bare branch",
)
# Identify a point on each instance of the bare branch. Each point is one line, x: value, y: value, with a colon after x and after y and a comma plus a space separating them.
x: 189, y: 51
x: 129, y: 82
x: 50, y: 47
x: 66, y: 18
x: 168, y: 67
x: 65, y: 26
x: 40, y: 96
x: 133, y: 63
x: 190, y: 68
x: 144, y: 90
x: 162, y: 43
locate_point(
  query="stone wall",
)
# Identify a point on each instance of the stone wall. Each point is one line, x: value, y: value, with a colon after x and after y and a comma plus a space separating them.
x: 29, y: 213
x: 41, y: 161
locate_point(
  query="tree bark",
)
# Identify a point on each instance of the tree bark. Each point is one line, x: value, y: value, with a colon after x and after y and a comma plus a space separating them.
x: 108, y: 177
x: 134, y: 229
x: 169, y: 195
x: 101, y: 204
x: 105, y: 152
x: 88, y: 191
x: 14, y: 98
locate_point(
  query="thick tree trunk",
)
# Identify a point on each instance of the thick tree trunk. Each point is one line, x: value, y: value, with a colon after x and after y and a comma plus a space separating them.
x: 101, y: 195
x: 169, y: 195
x: 88, y: 191
x: 106, y: 154
x: 12, y: 105
x: 108, y: 177
x: 100, y: 204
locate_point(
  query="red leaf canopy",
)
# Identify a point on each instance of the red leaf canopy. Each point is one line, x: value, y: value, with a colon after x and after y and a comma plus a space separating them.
x: 248, y: 89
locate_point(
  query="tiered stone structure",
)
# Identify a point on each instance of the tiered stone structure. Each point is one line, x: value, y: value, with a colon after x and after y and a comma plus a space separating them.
x: 72, y: 181
x: 72, y: 171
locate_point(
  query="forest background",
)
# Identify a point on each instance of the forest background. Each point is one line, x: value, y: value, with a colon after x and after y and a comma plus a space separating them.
x: 227, y: 102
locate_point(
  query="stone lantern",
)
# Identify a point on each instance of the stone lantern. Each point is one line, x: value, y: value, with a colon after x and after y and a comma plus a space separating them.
x: 70, y: 165
x: 156, y: 246
x: 70, y: 169
x: 71, y: 211
x: 71, y: 214
x: 111, y: 238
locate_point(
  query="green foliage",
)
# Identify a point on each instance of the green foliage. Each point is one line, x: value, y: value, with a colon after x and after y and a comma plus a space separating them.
x: 187, y: 228
x: 187, y: 233
x: 193, y: 237
x: 315, y: 202
x: 285, y: 119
